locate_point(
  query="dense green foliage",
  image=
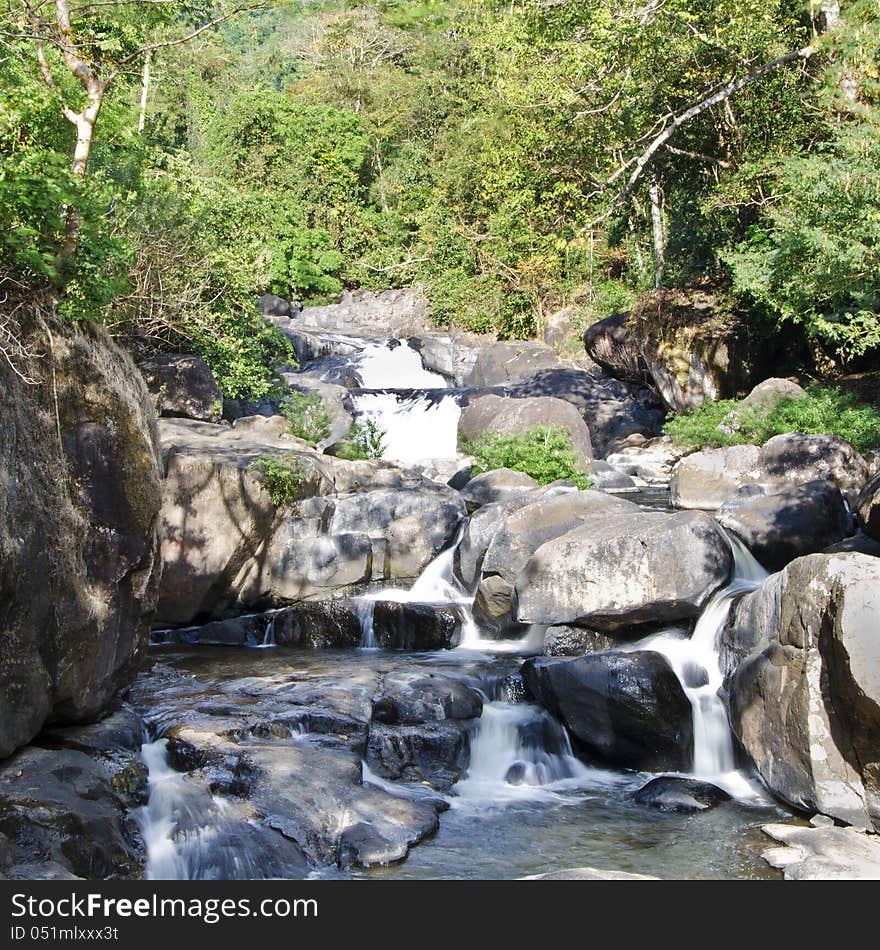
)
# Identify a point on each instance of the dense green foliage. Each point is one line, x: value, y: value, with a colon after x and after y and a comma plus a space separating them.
x: 307, y: 415
x: 544, y: 452
x: 479, y: 148
x: 284, y: 477
x: 365, y: 440
x: 823, y: 410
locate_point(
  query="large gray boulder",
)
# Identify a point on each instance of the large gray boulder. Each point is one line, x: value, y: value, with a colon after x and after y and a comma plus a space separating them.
x: 780, y: 526
x: 502, y: 416
x: 623, y: 569
x: 386, y: 313
x: 227, y: 546
x: 627, y: 709
x: 182, y: 385
x: 523, y: 531
x: 79, y: 504
x: 804, y: 691
x: 823, y: 853
x: 707, y: 479
x: 452, y: 357
x: 500, y: 485
x: 804, y: 458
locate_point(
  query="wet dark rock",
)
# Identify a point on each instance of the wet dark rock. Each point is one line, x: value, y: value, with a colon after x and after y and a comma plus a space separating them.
x: 627, y: 709
x: 418, y: 697
x: 859, y: 543
x: 414, y: 626
x: 566, y: 640
x: 869, y: 508
x: 432, y: 752
x: 672, y: 793
x: 58, y: 810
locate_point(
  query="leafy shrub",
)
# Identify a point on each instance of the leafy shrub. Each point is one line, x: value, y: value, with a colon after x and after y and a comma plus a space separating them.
x: 308, y: 418
x: 284, y: 476
x: 366, y: 440
x: 544, y: 452
x: 824, y: 410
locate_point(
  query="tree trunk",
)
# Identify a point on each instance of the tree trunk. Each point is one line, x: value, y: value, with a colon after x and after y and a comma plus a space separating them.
x: 657, y: 233
x: 85, y: 130
x: 145, y: 88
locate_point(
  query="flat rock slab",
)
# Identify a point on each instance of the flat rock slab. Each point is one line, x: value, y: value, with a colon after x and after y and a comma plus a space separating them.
x: 826, y: 853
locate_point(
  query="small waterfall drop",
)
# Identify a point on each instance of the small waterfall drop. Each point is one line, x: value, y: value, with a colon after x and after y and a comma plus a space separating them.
x: 418, y: 427
x: 395, y: 364
x: 695, y: 661
x: 269, y: 635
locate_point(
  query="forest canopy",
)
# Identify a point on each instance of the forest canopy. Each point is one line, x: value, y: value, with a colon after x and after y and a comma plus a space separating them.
x: 513, y: 158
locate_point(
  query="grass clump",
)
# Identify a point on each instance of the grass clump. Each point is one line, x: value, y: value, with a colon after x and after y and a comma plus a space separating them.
x: 284, y: 476
x: 544, y: 452
x: 365, y: 440
x: 825, y: 410
x: 307, y: 415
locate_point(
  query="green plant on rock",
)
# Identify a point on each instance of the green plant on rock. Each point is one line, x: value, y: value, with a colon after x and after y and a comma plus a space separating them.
x: 544, y: 452
x: 365, y: 440
x: 307, y: 415
x: 284, y: 476
x: 824, y: 410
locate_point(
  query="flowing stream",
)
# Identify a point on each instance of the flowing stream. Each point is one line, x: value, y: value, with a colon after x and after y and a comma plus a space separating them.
x: 526, y: 802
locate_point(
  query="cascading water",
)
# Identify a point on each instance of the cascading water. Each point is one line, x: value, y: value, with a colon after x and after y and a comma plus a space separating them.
x: 418, y: 427
x: 192, y: 835
x: 269, y: 635
x: 395, y: 364
x: 695, y: 660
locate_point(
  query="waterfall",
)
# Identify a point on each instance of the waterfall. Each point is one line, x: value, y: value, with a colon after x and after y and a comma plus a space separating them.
x: 695, y: 661
x: 364, y: 609
x: 269, y: 635
x: 192, y: 835
x: 395, y: 364
x: 519, y: 751
x: 418, y: 427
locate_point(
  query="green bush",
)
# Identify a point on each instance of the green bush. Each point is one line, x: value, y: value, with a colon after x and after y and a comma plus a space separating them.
x: 824, y: 410
x: 544, y: 452
x: 366, y: 440
x: 308, y: 418
x: 284, y: 476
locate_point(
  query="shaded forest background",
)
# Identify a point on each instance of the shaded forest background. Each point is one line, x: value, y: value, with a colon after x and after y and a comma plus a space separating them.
x: 493, y: 152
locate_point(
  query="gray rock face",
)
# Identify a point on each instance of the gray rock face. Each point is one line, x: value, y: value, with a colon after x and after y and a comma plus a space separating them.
x: 498, y: 486
x: 625, y: 569
x: 226, y: 546
x: 432, y: 752
x: 79, y: 502
x: 825, y: 853
x: 452, y: 357
x: 611, y: 345
x: 612, y: 409
x: 804, y: 693
x: 523, y: 531
x: 183, y: 386
x: 707, y: 479
x: 627, y: 709
x: 673, y: 793
x: 805, y: 458
x: 869, y: 508
x: 503, y: 416
x: 502, y: 363
x: 651, y: 460
x: 59, y: 807
x: 789, y: 523
x: 385, y: 313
